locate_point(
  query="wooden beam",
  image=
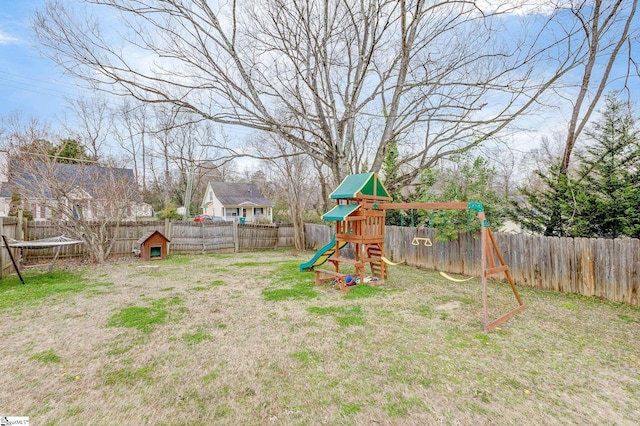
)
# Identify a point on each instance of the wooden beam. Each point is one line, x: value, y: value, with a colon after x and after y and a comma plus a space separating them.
x: 491, y: 271
x: 490, y: 326
x: 489, y: 247
x: 425, y: 206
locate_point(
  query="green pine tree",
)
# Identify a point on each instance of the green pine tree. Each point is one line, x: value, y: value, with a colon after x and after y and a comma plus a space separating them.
x: 390, y: 173
x: 472, y: 181
x: 606, y: 189
x: 545, y: 211
x: 69, y: 151
x: 602, y: 199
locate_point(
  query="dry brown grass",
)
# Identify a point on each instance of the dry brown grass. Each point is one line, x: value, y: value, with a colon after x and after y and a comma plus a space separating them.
x: 412, y: 353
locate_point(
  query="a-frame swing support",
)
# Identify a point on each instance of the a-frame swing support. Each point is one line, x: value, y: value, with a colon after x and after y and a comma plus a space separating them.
x: 489, y: 253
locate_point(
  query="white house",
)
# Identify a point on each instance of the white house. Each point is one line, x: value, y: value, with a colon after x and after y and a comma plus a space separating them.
x: 237, y: 200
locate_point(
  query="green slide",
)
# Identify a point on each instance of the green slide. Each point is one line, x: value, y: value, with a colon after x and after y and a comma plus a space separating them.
x: 322, y: 255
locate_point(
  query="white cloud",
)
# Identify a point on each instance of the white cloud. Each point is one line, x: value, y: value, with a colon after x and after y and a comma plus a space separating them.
x: 6, y: 38
x: 521, y: 7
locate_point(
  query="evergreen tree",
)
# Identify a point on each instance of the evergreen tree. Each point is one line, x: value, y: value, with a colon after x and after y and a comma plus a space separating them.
x: 606, y: 189
x: 390, y: 172
x: 545, y: 212
x: 602, y: 199
x: 69, y: 151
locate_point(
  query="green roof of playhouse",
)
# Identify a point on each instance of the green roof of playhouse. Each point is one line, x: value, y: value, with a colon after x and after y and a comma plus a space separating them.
x: 367, y: 184
x: 340, y: 212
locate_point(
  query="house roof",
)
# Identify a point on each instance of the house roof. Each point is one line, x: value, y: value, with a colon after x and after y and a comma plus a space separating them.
x: 237, y: 194
x: 362, y: 184
x: 89, y: 179
x: 149, y: 234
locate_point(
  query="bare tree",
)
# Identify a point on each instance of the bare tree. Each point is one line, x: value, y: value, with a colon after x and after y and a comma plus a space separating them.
x: 180, y: 153
x: 504, y: 163
x: 20, y: 133
x: 93, y: 124
x: 541, y: 159
x: 85, y: 201
x: 292, y: 175
x: 132, y: 125
x: 606, y: 28
x: 334, y: 79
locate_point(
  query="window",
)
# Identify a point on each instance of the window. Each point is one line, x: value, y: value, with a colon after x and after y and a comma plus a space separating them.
x: 210, y: 195
x: 77, y: 211
x: 258, y: 210
x: 43, y: 211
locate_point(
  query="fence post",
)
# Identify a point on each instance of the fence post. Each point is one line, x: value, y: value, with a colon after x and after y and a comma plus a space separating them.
x: 204, y: 245
x: 167, y: 231
x: 19, y: 233
x: 235, y: 236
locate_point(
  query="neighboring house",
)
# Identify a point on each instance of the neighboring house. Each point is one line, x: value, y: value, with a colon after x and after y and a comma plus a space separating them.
x: 510, y: 227
x: 237, y: 200
x: 84, y: 187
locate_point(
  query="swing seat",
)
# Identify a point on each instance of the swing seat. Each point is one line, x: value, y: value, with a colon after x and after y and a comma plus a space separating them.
x: 388, y: 262
x: 416, y: 241
x: 458, y: 280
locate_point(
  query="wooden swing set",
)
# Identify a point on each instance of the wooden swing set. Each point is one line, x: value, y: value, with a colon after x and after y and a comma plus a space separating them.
x: 361, y: 203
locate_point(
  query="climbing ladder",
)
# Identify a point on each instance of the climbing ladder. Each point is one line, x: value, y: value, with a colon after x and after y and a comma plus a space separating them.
x: 377, y: 267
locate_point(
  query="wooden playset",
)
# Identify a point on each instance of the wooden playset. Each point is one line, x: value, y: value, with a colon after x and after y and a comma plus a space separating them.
x: 361, y: 202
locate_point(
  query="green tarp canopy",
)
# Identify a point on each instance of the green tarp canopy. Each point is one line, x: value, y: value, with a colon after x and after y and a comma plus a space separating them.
x: 340, y: 212
x: 362, y: 183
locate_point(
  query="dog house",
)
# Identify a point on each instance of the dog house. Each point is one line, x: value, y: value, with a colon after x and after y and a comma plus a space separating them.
x: 152, y: 246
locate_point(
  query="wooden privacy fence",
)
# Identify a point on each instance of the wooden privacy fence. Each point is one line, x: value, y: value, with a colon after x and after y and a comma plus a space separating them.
x: 8, y: 227
x: 186, y: 237
x: 605, y: 268
x: 127, y: 233
x: 600, y: 267
x: 316, y: 235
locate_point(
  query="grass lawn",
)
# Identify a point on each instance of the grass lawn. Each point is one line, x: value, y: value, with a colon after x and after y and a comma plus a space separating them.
x: 246, y: 339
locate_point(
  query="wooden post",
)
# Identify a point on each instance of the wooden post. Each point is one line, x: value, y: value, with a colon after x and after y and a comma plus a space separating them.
x: 15, y: 265
x: 235, y: 237
x: 1, y: 256
x: 167, y: 231
x: 19, y: 233
x: 485, y: 295
x: 54, y: 259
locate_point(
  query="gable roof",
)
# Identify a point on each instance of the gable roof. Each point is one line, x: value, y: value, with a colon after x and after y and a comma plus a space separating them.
x: 237, y: 194
x: 149, y: 234
x: 86, y: 178
x: 362, y: 184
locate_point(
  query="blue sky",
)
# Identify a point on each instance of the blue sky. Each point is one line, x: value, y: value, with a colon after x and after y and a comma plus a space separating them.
x: 29, y: 83
x: 33, y: 84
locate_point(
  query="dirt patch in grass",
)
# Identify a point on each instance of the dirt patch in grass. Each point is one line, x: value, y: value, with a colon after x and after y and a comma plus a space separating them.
x: 246, y: 339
